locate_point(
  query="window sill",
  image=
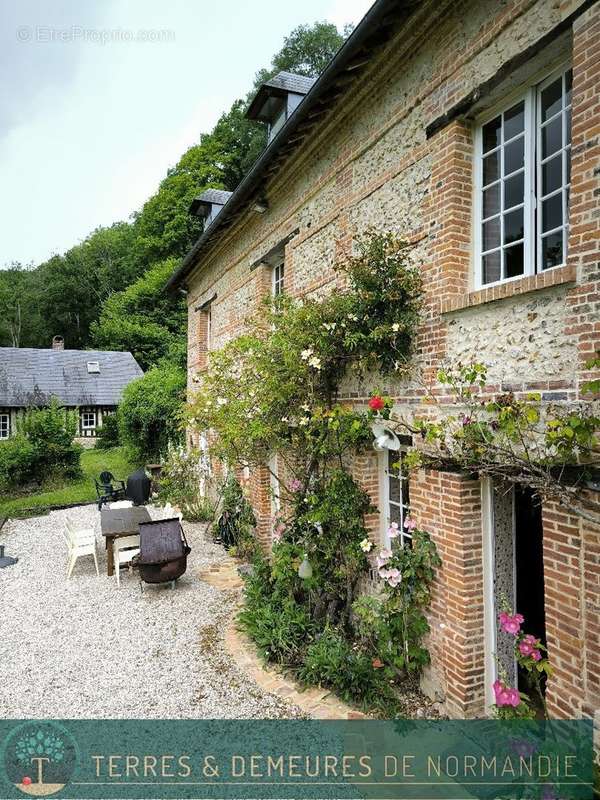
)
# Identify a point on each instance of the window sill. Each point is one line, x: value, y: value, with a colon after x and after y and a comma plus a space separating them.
x: 553, y: 277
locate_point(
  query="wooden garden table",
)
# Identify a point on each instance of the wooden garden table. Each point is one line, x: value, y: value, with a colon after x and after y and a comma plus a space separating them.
x: 117, y: 522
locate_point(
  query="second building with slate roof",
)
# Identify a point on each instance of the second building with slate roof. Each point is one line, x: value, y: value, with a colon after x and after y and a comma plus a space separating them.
x: 91, y: 381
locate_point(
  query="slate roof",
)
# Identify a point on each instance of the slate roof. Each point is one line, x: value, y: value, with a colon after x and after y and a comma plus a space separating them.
x: 290, y: 82
x: 382, y: 21
x: 30, y: 376
x: 202, y: 203
x: 278, y: 86
x: 219, y: 196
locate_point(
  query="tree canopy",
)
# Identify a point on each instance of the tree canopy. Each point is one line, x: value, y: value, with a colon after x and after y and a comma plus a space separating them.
x: 107, y: 291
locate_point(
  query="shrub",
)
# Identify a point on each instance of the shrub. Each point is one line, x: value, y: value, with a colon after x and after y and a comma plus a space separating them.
x: 183, y: 481
x: 42, y: 449
x: 108, y: 435
x: 280, y: 627
x: 235, y: 527
x: 17, y: 457
x: 149, y: 413
x: 331, y: 661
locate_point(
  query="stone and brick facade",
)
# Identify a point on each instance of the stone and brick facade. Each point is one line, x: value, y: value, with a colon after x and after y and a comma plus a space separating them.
x: 397, y: 152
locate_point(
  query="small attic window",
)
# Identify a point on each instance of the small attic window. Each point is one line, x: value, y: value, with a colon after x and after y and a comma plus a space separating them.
x: 277, y: 99
x: 93, y: 367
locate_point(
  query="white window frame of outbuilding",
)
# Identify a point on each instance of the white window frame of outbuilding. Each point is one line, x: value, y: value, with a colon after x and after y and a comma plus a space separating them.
x: 532, y: 204
x: 4, y: 425
x: 84, y: 425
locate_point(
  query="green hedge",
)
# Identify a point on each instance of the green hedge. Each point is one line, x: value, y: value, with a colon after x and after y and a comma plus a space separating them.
x: 150, y: 411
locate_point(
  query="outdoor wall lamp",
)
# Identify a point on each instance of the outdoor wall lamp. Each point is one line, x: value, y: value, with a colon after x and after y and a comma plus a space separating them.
x: 260, y: 206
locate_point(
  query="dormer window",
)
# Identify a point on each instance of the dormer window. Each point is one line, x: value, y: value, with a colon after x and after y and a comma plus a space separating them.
x: 277, y: 99
x: 208, y: 204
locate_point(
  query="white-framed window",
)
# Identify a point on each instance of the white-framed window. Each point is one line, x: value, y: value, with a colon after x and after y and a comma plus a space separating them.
x: 88, y: 420
x: 395, y: 495
x: 4, y: 426
x: 278, y: 279
x: 274, y: 485
x: 208, y: 313
x: 522, y: 177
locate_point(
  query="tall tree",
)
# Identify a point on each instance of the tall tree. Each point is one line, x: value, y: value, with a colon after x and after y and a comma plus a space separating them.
x: 107, y: 290
x: 19, y: 321
x: 73, y: 288
x: 145, y: 320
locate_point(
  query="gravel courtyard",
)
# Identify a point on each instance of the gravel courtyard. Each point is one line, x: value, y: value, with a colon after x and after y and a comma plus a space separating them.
x: 83, y: 648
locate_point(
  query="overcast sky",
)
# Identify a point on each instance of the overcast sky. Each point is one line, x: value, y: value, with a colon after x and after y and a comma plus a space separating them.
x: 91, y: 118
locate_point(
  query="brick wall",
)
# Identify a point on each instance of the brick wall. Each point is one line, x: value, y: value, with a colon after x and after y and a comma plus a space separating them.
x: 449, y: 506
x: 584, y: 217
x: 572, y: 583
x: 372, y: 165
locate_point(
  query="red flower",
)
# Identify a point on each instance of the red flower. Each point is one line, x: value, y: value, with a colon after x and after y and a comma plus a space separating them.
x: 377, y: 663
x: 376, y: 403
x: 26, y: 781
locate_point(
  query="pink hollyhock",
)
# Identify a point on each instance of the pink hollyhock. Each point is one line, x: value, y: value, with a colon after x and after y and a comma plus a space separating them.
x: 410, y: 524
x: 278, y: 532
x: 394, y: 577
x: 383, y: 557
x: 384, y: 573
x: 376, y: 403
x: 393, y: 531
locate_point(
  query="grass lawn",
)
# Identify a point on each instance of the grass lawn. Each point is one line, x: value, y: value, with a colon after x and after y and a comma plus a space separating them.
x: 82, y: 490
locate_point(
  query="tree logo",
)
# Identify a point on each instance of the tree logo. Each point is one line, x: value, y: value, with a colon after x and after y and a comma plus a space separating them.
x: 39, y: 758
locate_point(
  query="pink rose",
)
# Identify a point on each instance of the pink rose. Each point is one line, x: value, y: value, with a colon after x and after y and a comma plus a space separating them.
x: 514, y: 697
x: 536, y: 655
x: 295, y: 485
x: 505, y: 696
x: 511, y: 624
x: 410, y: 524
x: 525, y: 648
x: 393, y: 531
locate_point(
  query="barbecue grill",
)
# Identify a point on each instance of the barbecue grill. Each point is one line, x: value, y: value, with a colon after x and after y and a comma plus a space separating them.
x: 163, y: 551
x: 138, y: 487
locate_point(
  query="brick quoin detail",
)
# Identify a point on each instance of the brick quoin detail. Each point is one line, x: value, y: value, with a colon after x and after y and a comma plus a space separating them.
x: 584, y: 212
x: 448, y: 227
x: 259, y: 485
x: 448, y: 505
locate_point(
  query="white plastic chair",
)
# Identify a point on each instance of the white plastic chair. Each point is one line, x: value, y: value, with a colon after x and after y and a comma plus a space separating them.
x: 119, y: 504
x: 81, y: 542
x: 125, y: 548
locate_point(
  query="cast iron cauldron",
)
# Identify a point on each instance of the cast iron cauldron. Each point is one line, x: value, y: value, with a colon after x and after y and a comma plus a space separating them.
x: 163, y: 551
